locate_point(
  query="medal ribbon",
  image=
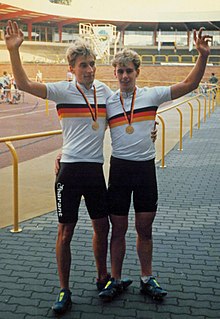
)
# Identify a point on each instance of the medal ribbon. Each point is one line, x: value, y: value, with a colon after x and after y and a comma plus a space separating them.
x: 94, y: 113
x: 128, y: 118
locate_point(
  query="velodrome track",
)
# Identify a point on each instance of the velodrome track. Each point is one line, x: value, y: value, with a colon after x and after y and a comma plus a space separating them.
x: 28, y: 116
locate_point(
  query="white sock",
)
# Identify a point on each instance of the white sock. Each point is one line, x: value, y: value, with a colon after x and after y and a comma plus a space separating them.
x: 146, y: 278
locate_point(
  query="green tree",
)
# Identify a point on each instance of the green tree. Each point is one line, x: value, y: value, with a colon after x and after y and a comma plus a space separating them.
x: 67, y: 2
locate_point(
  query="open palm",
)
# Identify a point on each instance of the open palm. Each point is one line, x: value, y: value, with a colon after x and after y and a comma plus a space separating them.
x: 14, y: 36
x: 202, y: 42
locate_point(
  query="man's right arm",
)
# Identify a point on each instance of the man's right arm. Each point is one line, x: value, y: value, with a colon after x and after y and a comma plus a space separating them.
x: 13, y: 39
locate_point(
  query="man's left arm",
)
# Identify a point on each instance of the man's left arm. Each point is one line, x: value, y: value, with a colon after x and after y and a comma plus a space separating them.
x: 193, y: 79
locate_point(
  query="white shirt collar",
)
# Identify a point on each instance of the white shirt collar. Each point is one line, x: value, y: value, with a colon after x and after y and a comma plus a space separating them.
x: 82, y: 86
x: 125, y: 94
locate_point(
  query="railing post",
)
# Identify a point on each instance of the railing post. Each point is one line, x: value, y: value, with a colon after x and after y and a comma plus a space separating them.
x: 204, y: 113
x: 181, y: 129
x: 209, y: 97
x: 199, y: 111
x: 153, y: 59
x: 218, y: 96
x: 47, y: 106
x: 213, y: 100
x: 16, y: 229
x: 163, y: 142
x: 191, y: 119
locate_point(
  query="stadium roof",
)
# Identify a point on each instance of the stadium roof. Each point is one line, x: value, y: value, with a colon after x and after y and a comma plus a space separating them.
x: 142, y: 15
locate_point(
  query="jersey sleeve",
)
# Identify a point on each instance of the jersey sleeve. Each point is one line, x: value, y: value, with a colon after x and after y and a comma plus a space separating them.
x: 56, y: 91
x: 162, y: 94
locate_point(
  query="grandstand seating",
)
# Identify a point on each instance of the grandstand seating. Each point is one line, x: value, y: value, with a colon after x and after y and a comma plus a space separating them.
x: 32, y: 51
x: 47, y: 52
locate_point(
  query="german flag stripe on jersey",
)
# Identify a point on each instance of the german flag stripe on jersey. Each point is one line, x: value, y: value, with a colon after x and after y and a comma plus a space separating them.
x: 142, y: 114
x: 78, y: 110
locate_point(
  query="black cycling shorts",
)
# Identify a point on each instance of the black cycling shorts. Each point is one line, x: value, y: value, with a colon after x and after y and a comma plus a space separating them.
x: 75, y: 180
x: 127, y: 177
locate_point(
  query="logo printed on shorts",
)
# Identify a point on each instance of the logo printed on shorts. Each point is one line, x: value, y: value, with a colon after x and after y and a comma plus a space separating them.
x: 59, y: 199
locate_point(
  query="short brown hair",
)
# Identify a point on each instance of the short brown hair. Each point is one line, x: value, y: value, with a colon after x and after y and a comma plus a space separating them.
x: 79, y: 48
x: 125, y: 56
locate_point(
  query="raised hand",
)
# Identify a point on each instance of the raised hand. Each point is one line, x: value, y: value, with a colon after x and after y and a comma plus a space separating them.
x: 14, y: 36
x: 154, y: 132
x: 202, y: 42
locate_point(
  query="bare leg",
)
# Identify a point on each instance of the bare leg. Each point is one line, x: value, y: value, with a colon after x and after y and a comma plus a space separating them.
x: 100, y: 245
x: 118, y: 244
x: 143, y: 223
x: 63, y: 253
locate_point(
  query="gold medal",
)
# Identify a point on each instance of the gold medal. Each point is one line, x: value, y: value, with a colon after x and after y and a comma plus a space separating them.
x: 129, y: 118
x: 94, y: 113
x: 129, y: 129
x: 95, y: 126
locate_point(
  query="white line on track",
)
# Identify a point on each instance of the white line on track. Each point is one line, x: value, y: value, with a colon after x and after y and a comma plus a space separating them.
x: 18, y: 108
x: 27, y: 113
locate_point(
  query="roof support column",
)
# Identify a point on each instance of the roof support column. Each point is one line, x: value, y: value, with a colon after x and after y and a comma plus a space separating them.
x: 188, y: 37
x: 46, y: 34
x: 60, y: 31
x: 29, y: 31
x: 155, y: 38
x: 123, y: 37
